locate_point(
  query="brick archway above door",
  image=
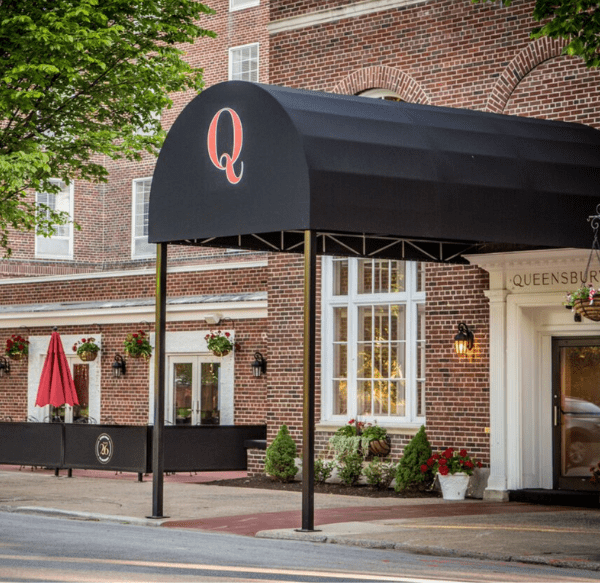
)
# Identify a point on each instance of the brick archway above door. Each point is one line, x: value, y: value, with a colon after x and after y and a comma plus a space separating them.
x: 524, y: 62
x: 381, y: 77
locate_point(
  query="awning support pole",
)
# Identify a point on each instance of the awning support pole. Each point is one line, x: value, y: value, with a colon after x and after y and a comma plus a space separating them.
x: 159, y: 382
x: 308, y: 418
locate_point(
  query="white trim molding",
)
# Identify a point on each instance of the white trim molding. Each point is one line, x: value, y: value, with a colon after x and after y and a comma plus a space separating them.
x: 355, y: 10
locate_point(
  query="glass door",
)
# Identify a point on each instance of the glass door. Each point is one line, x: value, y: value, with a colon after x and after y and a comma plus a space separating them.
x: 193, y: 393
x: 576, y: 411
x: 80, y: 372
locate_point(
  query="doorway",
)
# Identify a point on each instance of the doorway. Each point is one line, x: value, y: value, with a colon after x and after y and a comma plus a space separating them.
x: 194, y: 390
x: 576, y: 411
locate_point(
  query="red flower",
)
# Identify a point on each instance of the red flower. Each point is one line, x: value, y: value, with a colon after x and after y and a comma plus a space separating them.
x: 351, y: 422
x: 448, y: 453
x: 227, y: 334
x: 430, y: 462
x: 443, y: 461
x: 444, y: 470
x: 141, y: 333
x: 83, y: 340
x: 436, y: 456
x: 424, y: 468
x: 478, y: 464
x: 74, y: 347
x: 134, y: 335
x: 469, y: 464
x: 139, y: 341
x: 463, y: 453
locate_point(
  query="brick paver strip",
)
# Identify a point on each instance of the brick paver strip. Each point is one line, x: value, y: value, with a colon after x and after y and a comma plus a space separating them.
x: 250, y: 524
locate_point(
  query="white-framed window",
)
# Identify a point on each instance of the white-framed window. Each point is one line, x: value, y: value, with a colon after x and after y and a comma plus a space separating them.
x: 241, y: 4
x: 373, y: 353
x: 141, y: 201
x: 243, y: 63
x: 59, y: 245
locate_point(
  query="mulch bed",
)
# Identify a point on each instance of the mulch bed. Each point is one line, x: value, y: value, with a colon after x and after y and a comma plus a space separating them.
x: 267, y: 483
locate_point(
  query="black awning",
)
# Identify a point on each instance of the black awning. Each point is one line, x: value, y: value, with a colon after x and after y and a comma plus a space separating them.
x: 253, y: 166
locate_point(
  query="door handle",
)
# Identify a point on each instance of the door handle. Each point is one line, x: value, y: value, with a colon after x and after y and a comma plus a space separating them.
x: 555, y: 415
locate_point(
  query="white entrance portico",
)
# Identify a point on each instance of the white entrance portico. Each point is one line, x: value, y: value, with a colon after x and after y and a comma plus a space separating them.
x: 526, y: 294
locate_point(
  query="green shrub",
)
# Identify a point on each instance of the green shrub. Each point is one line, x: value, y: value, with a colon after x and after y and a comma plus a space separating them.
x: 379, y: 474
x: 280, y: 458
x: 350, y: 468
x: 416, y: 454
x: 323, y: 470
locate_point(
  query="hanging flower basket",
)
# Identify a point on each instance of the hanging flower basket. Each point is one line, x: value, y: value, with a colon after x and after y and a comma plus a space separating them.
x: 86, y: 349
x: 220, y: 343
x: 380, y: 447
x: 137, y: 345
x: 587, y: 309
x: 17, y: 347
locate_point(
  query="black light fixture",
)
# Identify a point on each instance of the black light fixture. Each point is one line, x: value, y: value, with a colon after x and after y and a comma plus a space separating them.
x: 259, y: 366
x: 4, y: 366
x: 118, y: 366
x: 463, y: 341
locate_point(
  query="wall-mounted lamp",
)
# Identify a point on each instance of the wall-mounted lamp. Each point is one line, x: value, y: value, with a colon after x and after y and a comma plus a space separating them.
x: 4, y: 366
x: 463, y: 341
x: 259, y: 366
x: 118, y: 366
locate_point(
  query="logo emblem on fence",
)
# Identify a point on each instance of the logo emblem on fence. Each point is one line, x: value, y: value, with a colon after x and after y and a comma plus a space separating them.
x: 225, y: 161
x: 104, y: 448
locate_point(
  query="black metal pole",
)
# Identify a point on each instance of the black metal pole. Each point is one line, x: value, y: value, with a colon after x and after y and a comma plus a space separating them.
x: 308, y: 419
x: 159, y: 382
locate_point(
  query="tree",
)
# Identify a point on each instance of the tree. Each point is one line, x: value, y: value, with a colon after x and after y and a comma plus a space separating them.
x: 280, y: 457
x: 82, y: 80
x: 576, y: 21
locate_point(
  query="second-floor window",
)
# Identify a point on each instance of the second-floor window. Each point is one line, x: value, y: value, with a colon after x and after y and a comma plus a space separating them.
x: 243, y: 63
x: 241, y: 4
x: 141, y: 201
x: 59, y: 245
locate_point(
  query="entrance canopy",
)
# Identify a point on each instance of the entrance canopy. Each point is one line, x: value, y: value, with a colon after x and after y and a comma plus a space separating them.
x: 254, y: 166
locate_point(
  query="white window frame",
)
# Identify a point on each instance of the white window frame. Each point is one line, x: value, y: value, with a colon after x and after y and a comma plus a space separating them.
x: 149, y: 248
x: 232, y: 50
x: 68, y: 228
x: 411, y: 298
x: 235, y: 5
x: 380, y: 94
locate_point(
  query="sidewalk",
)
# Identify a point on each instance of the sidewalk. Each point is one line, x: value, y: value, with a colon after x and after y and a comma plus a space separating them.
x: 506, y: 531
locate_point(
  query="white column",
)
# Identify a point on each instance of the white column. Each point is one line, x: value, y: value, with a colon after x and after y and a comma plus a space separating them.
x: 497, y: 482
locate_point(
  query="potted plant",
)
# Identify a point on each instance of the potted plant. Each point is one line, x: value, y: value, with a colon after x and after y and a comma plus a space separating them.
x: 453, y: 468
x: 17, y: 347
x: 582, y: 301
x: 86, y: 349
x: 137, y: 345
x: 220, y: 343
x: 380, y: 443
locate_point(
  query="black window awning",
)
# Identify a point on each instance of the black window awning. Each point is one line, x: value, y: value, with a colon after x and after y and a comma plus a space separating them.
x: 254, y: 166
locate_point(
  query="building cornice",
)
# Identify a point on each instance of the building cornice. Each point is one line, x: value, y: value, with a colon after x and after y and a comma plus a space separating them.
x: 355, y: 10
x: 525, y: 259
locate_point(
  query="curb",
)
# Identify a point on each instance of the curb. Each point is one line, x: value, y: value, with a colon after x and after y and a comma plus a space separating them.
x: 84, y: 515
x: 429, y: 550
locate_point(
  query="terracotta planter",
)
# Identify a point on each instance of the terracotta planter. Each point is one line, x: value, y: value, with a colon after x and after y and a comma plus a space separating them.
x: 88, y: 356
x: 16, y: 356
x: 143, y: 355
x: 218, y: 353
x: 591, y: 312
x: 454, y: 486
x: 380, y: 447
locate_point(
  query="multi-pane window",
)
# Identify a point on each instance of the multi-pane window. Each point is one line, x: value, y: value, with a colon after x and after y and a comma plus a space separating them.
x: 141, y: 202
x: 241, y: 4
x: 374, y: 346
x: 59, y: 245
x: 243, y: 63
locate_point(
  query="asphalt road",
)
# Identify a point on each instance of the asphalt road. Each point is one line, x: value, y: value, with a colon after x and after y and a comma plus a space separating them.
x: 40, y: 548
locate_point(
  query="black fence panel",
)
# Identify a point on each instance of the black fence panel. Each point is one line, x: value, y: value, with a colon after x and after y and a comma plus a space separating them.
x: 209, y: 447
x: 108, y: 447
x: 31, y: 444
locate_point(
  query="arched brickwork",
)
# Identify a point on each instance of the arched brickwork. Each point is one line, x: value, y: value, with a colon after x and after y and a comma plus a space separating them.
x: 382, y: 77
x: 528, y: 59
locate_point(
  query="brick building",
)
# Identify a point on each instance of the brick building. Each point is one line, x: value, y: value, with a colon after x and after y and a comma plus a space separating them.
x: 502, y: 402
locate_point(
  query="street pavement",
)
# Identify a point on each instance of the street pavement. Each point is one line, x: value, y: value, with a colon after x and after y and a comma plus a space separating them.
x: 504, y: 531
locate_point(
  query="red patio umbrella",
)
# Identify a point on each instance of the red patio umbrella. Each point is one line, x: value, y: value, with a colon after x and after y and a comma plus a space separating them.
x: 56, y: 383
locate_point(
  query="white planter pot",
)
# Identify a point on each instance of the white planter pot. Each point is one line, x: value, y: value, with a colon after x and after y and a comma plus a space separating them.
x: 454, y: 486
